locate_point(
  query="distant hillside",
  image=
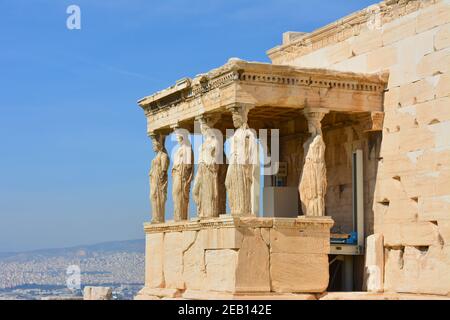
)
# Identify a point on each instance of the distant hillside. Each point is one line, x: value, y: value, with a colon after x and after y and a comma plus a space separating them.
x: 129, y: 246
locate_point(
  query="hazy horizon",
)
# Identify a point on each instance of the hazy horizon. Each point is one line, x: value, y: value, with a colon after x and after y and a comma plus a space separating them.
x: 72, y: 246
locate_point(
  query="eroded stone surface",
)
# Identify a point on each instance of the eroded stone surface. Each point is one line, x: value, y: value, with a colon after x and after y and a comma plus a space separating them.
x: 416, y: 270
x: 410, y: 40
x: 222, y: 238
x: 194, y: 268
x: 173, y: 260
x: 294, y: 272
x: 154, y: 259
x: 252, y: 272
x: 247, y: 255
x: 221, y: 267
x: 301, y: 240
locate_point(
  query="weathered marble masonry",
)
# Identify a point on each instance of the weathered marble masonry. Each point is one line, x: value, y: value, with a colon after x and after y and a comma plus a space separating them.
x: 376, y: 81
x: 242, y: 253
x: 409, y: 39
x: 233, y: 256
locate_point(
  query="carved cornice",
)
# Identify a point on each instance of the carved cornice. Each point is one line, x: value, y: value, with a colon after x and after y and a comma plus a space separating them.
x: 373, y: 122
x: 347, y: 27
x: 260, y: 74
x: 188, y: 89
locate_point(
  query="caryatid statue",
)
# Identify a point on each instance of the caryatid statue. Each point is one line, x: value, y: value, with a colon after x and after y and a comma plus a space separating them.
x: 206, y: 192
x: 242, y: 180
x: 158, y: 178
x: 182, y: 171
x: 313, y: 181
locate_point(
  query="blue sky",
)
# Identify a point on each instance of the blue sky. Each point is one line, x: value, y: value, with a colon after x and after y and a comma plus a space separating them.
x: 74, y: 155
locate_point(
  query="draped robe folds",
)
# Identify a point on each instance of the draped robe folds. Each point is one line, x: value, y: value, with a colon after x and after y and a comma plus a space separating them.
x: 313, y: 184
x: 242, y: 170
x: 158, y: 186
x: 206, y: 185
x: 182, y: 172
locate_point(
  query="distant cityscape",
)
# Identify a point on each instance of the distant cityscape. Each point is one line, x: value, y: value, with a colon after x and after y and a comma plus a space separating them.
x: 43, y: 274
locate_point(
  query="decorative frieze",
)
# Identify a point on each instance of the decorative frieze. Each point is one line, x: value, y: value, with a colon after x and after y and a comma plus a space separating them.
x: 349, y: 26
x: 191, y: 92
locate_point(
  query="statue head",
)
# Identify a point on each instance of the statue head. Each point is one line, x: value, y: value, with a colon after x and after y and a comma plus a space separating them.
x: 158, y: 142
x: 207, y: 123
x: 181, y: 136
x: 314, y: 118
x: 204, y: 126
x: 239, y: 115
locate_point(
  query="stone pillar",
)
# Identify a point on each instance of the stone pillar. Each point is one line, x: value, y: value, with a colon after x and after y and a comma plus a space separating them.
x: 158, y: 178
x: 206, y: 190
x: 242, y: 180
x: 313, y: 180
x: 374, y: 265
x: 182, y: 172
x: 223, y: 167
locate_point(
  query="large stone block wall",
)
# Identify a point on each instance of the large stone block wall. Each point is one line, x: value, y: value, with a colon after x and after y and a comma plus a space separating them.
x: 412, y: 192
x: 237, y: 256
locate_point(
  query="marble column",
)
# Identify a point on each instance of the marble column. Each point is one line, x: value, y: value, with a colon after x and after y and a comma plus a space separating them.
x: 158, y: 178
x: 313, y: 179
x: 182, y: 172
x: 242, y: 180
x: 206, y: 191
x: 223, y: 167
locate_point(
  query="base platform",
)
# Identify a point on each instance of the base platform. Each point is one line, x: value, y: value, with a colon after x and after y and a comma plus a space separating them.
x: 234, y: 257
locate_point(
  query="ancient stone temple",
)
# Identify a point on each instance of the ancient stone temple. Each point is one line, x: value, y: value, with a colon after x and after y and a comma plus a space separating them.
x: 337, y: 176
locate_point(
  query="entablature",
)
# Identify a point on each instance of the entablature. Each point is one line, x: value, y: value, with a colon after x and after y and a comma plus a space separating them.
x: 262, y: 85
